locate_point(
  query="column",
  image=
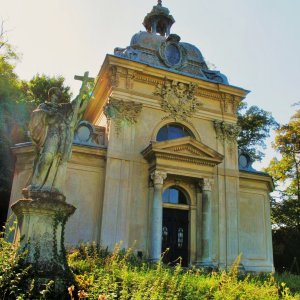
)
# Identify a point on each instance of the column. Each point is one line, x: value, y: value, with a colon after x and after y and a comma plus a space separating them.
x: 198, y: 223
x: 157, y: 214
x: 206, y: 253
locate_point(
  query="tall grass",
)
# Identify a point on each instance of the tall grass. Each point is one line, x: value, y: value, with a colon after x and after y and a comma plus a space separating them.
x: 120, y: 275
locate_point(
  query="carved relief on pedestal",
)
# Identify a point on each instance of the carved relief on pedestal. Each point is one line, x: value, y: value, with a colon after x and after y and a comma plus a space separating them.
x: 123, y: 113
x: 158, y: 177
x: 178, y: 99
x: 226, y: 131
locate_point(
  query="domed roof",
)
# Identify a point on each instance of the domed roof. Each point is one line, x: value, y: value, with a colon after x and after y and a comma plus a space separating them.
x: 146, y: 40
x: 158, y: 48
x: 193, y: 52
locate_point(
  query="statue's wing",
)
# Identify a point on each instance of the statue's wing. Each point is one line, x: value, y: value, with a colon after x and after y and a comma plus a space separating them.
x: 38, y: 127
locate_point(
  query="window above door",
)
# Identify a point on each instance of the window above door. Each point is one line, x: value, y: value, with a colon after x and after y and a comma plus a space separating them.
x: 174, y: 195
x: 173, y: 131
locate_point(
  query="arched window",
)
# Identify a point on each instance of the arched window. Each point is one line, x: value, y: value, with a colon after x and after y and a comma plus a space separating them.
x: 174, y: 195
x: 172, y: 131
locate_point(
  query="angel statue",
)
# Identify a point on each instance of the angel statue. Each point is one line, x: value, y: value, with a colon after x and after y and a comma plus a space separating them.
x: 52, y: 127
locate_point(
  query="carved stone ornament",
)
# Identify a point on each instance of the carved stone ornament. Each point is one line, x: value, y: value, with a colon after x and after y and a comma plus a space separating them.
x: 158, y: 177
x: 89, y: 134
x: 114, y: 76
x: 124, y: 113
x: 171, y: 52
x: 227, y: 131
x: 206, y: 184
x: 229, y: 101
x: 178, y: 99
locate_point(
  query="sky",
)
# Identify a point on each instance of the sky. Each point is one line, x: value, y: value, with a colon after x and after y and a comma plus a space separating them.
x: 255, y: 43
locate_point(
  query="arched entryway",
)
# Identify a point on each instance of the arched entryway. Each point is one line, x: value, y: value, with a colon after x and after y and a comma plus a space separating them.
x: 175, y: 229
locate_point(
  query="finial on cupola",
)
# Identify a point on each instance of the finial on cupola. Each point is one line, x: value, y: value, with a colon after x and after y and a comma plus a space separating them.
x: 159, y: 20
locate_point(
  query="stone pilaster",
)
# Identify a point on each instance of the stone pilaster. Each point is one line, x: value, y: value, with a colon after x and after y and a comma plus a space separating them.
x: 158, y: 178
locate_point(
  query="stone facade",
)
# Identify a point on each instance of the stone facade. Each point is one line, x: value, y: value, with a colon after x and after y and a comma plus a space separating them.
x: 119, y: 170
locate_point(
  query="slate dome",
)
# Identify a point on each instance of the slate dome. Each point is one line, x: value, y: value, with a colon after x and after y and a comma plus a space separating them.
x: 159, y: 48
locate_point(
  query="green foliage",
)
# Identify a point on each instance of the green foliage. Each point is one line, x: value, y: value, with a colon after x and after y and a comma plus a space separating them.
x: 11, y: 114
x: 286, y: 174
x: 286, y: 207
x: 15, y: 282
x: 287, y: 168
x: 17, y: 100
x: 255, y: 124
x: 120, y: 275
x: 12, y: 271
x: 18, y: 279
x: 286, y: 250
x: 291, y: 280
x: 36, y: 90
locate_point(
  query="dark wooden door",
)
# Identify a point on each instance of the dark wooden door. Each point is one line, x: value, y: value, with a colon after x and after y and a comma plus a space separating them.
x: 175, y: 236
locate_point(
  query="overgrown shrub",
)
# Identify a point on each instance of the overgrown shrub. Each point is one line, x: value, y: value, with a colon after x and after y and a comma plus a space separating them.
x: 17, y: 277
x: 122, y: 275
x: 14, y: 273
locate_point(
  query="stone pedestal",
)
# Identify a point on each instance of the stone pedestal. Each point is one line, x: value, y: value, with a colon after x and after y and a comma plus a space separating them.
x: 41, y: 222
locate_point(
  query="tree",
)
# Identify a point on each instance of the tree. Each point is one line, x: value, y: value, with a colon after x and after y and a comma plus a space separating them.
x: 286, y: 207
x: 17, y: 100
x: 10, y: 116
x: 286, y: 170
x: 255, y: 124
x: 36, y: 90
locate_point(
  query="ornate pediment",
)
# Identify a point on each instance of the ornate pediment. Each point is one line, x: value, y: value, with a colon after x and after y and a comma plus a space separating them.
x: 185, y: 149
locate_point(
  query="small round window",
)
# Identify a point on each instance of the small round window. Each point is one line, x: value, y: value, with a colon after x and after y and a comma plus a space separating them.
x: 174, y: 195
x: 172, y: 131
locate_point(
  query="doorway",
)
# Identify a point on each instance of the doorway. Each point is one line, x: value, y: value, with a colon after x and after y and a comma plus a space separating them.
x: 175, y: 226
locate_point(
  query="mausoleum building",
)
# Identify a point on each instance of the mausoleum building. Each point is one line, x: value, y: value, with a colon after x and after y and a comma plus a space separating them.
x: 155, y: 163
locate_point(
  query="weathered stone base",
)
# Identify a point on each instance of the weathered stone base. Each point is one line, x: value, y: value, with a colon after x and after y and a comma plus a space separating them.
x: 208, y: 266
x: 41, y: 222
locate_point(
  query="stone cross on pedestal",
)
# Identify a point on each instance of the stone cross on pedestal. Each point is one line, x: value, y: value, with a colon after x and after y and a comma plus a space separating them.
x: 43, y: 211
x: 85, y: 78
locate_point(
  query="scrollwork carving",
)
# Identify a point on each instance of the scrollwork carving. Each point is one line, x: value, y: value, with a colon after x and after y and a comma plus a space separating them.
x: 124, y: 113
x: 178, y: 99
